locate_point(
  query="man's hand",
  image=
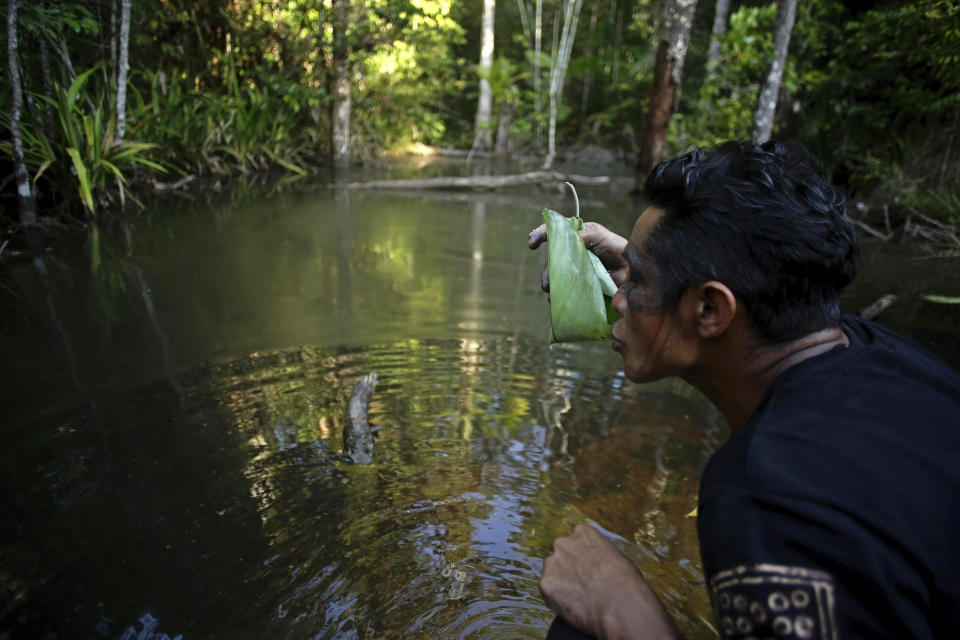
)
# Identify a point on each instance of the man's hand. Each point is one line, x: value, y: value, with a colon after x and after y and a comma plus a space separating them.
x: 594, y: 587
x: 607, y: 245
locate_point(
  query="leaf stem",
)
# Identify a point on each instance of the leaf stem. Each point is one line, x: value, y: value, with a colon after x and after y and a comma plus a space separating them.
x: 576, y: 198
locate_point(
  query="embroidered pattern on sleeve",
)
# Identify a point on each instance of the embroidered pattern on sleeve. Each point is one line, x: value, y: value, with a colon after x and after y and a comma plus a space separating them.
x: 767, y: 600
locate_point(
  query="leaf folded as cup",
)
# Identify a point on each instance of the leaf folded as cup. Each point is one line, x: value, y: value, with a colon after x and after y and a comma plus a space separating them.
x: 580, y: 287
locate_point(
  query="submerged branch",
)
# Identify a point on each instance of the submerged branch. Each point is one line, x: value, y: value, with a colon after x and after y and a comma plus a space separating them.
x: 878, y: 234
x: 481, y: 182
x: 872, y: 311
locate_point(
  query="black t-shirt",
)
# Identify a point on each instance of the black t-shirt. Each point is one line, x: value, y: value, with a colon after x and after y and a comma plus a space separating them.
x: 835, y: 511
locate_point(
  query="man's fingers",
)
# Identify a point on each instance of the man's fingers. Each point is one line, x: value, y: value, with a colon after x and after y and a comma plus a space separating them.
x: 537, y: 237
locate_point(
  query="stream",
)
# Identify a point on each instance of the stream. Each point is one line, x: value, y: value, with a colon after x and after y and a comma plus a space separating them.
x: 174, y: 390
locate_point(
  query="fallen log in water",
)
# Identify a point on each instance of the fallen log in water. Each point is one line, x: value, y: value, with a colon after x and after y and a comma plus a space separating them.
x: 878, y: 307
x: 481, y: 182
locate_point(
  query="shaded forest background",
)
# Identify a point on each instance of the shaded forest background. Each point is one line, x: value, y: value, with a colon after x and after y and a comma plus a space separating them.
x: 223, y: 87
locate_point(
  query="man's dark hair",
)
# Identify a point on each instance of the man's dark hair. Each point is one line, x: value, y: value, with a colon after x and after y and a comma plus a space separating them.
x: 760, y: 219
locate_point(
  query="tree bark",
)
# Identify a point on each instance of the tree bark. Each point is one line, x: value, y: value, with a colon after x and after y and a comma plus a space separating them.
x: 48, y: 119
x: 113, y: 29
x: 667, y: 73
x: 537, y: 98
x: 483, y: 134
x: 28, y: 208
x: 340, y: 115
x: 719, y: 28
x: 558, y: 72
x: 767, y: 99
x: 123, y: 68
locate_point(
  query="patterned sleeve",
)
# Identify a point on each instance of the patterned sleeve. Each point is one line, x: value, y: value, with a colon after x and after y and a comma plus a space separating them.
x: 769, y: 600
x: 787, y: 567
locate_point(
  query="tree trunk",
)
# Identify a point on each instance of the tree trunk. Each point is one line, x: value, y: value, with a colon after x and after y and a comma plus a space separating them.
x: 537, y: 99
x: 558, y: 72
x: 113, y: 29
x: 123, y: 68
x: 667, y: 73
x: 340, y: 116
x: 767, y: 99
x: 483, y: 135
x: 28, y: 209
x: 719, y: 28
x: 49, y: 124
x: 507, y: 107
x: 588, y: 75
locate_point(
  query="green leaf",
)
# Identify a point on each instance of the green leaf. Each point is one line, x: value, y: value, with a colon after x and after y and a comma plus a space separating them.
x: 77, y: 85
x: 150, y: 163
x: 290, y: 166
x: 83, y: 179
x: 116, y: 171
x: 578, y: 284
x: 942, y: 299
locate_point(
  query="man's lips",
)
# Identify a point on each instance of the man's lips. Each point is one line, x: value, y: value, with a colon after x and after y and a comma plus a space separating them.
x: 617, y: 344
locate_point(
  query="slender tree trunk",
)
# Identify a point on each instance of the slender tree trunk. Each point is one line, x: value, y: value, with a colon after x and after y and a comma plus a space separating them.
x: 28, y: 207
x: 525, y: 22
x: 68, y: 63
x: 538, y: 48
x: 719, y: 28
x: 48, y: 120
x: 340, y: 117
x: 113, y: 29
x: 123, y: 68
x: 667, y: 73
x: 558, y: 72
x: 588, y: 76
x: 770, y: 89
x: 483, y: 134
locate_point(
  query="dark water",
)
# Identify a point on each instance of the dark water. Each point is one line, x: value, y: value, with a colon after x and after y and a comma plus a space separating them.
x: 173, y: 399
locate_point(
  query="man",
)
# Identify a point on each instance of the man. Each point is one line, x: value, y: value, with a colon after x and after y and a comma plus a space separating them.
x: 834, y: 509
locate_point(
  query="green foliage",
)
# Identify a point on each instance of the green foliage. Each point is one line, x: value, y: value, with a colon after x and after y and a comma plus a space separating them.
x: 242, y: 87
x: 261, y: 128
x: 502, y: 76
x: 728, y: 96
x: 940, y: 204
x: 84, y: 156
x: 52, y: 19
x: 406, y: 77
x: 879, y: 90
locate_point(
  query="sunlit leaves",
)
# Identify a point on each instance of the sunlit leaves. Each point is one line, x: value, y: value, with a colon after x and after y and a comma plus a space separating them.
x: 406, y: 70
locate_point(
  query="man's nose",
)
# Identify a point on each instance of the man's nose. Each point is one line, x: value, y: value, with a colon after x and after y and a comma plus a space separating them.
x: 619, y: 303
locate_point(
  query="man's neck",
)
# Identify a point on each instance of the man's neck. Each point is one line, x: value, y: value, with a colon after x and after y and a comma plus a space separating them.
x: 738, y: 378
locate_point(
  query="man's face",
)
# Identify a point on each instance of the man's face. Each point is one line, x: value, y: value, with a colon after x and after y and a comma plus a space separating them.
x: 653, y: 344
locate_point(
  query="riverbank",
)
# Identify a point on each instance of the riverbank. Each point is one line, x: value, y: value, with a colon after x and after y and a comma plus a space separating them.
x: 882, y: 215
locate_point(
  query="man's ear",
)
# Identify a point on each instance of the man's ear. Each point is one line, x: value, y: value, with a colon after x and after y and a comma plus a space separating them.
x: 716, y: 307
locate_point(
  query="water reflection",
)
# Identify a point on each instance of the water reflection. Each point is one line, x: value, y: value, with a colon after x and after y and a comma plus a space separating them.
x: 169, y: 456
